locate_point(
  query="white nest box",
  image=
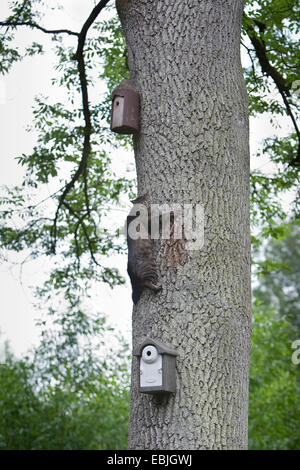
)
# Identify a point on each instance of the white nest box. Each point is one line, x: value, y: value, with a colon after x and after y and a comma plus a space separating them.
x: 156, y: 367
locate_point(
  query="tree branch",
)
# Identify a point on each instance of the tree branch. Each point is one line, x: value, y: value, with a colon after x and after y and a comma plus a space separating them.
x: 251, y: 59
x: 36, y: 26
x: 79, y: 57
x: 82, y: 169
x: 82, y: 35
x: 81, y: 222
x: 281, y: 84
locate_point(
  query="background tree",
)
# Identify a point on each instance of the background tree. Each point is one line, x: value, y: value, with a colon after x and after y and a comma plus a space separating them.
x: 274, y: 379
x: 279, y: 283
x: 66, y: 394
x: 274, y: 410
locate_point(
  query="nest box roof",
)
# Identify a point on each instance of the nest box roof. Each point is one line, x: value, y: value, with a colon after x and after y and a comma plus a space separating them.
x: 162, y: 348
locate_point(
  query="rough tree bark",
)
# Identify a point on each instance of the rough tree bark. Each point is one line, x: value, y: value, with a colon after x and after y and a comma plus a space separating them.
x: 184, y: 56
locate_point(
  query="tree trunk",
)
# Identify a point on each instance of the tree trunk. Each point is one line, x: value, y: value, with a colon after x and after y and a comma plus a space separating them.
x: 184, y: 56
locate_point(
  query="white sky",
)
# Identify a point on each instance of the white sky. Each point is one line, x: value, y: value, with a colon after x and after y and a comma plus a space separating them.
x: 17, y: 90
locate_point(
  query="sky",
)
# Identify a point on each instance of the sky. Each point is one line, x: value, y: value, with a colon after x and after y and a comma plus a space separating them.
x: 17, y: 90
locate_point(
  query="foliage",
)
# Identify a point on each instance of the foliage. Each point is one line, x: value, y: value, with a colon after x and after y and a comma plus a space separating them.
x: 274, y: 410
x: 279, y: 285
x: 66, y: 396
x: 270, y: 36
x: 274, y: 379
x: 74, y: 143
x: 73, y: 227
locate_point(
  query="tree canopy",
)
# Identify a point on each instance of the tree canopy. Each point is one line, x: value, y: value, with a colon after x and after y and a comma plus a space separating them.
x: 74, y: 142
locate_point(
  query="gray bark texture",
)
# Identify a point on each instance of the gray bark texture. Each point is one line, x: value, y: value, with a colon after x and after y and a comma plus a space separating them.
x: 184, y: 56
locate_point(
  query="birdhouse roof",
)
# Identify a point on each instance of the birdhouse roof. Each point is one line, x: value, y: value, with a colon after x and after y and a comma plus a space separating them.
x: 124, y: 87
x: 162, y: 348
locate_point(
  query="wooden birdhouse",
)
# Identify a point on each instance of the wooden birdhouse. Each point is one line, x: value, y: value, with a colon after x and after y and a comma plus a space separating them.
x: 125, y: 111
